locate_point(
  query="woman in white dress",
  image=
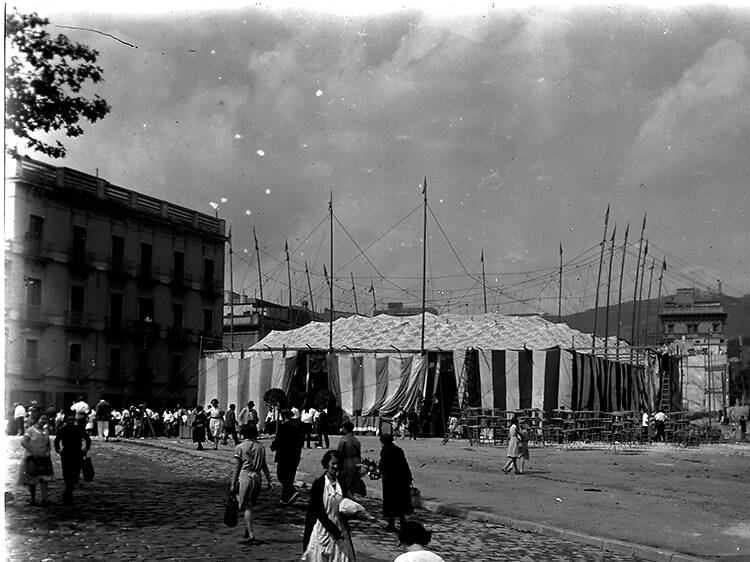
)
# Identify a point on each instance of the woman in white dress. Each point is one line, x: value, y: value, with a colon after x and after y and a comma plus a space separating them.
x: 327, y: 536
x: 513, y: 449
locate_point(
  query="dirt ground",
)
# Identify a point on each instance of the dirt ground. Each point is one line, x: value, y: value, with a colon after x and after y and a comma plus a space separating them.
x: 689, y: 500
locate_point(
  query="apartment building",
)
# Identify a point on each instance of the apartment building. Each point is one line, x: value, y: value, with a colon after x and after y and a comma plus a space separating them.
x: 109, y: 292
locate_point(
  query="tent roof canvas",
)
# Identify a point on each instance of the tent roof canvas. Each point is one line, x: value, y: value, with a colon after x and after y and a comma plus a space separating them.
x: 445, y: 332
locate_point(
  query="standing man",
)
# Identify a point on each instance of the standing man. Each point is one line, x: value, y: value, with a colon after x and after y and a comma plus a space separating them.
x: 72, y: 444
x: 81, y: 410
x: 288, y: 447
x: 230, y: 425
x: 306, y: 421
x: 660, y: 419
x: 19, y: 415
x: 103, y: 419
x: 644, y: 427
x: 248, y: 416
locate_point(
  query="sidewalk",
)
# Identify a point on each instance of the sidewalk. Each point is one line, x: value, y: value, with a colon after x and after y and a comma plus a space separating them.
x: 457, y: 463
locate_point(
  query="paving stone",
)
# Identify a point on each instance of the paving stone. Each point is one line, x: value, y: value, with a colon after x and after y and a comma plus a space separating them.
x: 148, y: 503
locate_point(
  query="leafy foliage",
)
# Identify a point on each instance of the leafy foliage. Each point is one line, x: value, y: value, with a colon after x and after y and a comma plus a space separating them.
x: 43, y: 84
x: 275, y: 397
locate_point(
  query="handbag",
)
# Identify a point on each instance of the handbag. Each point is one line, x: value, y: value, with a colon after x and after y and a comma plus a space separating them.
x: 231, y: 510
x: 87, y: 469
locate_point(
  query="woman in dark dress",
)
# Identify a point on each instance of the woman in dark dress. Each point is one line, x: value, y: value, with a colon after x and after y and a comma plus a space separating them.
x: 397, y: 478
x: 199, y: 427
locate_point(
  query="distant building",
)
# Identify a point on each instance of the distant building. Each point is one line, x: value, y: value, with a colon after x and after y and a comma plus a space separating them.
x: 694, y: 327
x: 398, y: 309
x: 109, y: 292
x: 248, y: 320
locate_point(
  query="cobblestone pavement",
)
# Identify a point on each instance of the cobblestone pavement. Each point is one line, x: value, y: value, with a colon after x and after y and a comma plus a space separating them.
x: 148, y: 503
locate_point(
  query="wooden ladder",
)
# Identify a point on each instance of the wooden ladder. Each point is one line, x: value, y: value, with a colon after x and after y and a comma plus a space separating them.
x: 665, y: 399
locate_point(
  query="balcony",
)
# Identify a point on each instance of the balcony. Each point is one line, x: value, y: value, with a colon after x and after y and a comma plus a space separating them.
x: 117, y: 328
x: 182, y: 281
x: 81, y: 261
x: 120, y: 268
x: 212, y: 288
x: 146, y: 333
x: 180, y: 336
x: 148, y: 273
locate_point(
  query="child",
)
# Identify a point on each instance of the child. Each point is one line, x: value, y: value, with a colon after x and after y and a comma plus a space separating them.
x: 523, y: 446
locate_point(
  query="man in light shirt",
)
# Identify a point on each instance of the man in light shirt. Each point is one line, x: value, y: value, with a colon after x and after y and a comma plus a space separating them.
x: 81, y: 409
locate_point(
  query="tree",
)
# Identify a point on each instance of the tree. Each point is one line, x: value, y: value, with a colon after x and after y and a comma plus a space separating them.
x: 43, y: 84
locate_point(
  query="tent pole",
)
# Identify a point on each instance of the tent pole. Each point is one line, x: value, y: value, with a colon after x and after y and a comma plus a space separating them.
x: 619, y: 295
x: 424, y: 258
x: 289, y: 280
x: 261, y: 333
x: 309, y: 288
x: 330, y: 287
x: 648, y: 298
x: 640, y: 295
x: 658, y: 298
x: 609, y: 290
x: 599, y: 281
x: 635, y: 290
x: 484, y: 282
x: 231, y: 291
x: 559, y: 292
x: 354, y: 290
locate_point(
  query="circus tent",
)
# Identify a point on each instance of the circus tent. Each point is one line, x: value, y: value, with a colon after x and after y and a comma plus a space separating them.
x: 487, y: 360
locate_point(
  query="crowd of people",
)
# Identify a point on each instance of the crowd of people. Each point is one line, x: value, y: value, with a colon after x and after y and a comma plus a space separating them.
x: 327, y: 535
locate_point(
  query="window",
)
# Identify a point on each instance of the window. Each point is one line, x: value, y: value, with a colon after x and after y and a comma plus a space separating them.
x: 717, y: 327
x: 33, y: 291
x: 692, y: 328
x: 75, y: 353
x: 670, y: 328
x: 118, y: 248
x: 146, y: 254
x: 79, y: 244
x: 146, y: 309
x: 179, y: 265
x: 208, y: 273
x: 32, y: 349
x: 208, y: 320
x: 177, y: 315
x: 76, y: 299
x: 36, y: 227
x: 115, y: 309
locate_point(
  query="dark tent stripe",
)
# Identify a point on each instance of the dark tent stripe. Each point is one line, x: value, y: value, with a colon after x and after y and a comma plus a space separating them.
x: 525, y: 378
x: 498, y: 379
x: 552, y: 379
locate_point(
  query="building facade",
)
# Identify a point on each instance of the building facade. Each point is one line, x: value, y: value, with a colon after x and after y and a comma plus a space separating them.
x: 109, y: 292
x: 694, y: 328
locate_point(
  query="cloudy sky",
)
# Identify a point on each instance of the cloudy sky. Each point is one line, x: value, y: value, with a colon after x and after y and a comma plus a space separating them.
x: 526, y: 122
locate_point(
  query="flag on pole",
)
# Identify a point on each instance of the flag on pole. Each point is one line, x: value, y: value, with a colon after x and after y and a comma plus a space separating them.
x: 664, y: 264
x: 424, y: 186
x: 325, y: 274
x: 481, y: 258
x: 561, y: 249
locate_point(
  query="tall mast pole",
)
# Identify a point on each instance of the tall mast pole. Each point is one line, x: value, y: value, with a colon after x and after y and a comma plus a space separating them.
x: 309, y: 288
x: 289, y: 280
x: 619, y: 294
x: 598, y: 282
x: 609, y: 290
x: 640, y: 295
x: 424, y: 259
x: 231, y: 292
x: 658, y: 299
x: 484, y: 282
x: 374, y: 304
x: 330, y: 286
x: 648, y: 298
x: 559, y: 293
x: 260, y: 285
x: 354, y: 290
x: 635, y: 289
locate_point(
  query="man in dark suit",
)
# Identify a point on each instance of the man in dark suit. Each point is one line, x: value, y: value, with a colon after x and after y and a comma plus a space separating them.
x: 288, y: 448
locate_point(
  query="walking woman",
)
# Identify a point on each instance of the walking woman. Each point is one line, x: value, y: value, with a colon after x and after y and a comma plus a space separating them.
x: 72, y: 443
x: 199, y: 427
x: 396, y: 477
x: 36, y: 466
x: 350, y: 450
x: 246, y: 483
x: 327, y: 537
x: 513, y: 448
x: 216, y: 422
